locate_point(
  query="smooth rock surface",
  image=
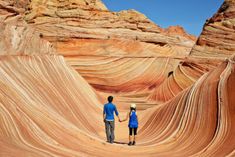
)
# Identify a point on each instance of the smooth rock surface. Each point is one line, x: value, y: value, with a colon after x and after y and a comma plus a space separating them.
x: 60, y: 59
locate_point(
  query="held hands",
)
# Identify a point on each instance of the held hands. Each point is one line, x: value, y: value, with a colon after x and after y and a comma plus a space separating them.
x: 121, y: 120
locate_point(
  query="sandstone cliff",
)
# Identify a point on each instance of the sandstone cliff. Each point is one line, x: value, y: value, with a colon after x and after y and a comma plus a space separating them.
x: 218, y: 35
x: 67, y: 23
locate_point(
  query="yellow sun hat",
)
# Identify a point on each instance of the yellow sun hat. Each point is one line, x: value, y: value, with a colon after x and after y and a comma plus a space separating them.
x: 133, y: 105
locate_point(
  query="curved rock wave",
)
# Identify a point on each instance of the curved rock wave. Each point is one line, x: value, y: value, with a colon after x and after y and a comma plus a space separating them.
x: 66, y: 118
x: 51, y: 105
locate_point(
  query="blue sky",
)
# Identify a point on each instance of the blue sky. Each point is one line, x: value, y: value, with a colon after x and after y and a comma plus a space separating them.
x: 191, y: 14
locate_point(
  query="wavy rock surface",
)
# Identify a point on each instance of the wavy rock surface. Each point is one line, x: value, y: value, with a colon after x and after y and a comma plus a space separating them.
x: 141, y: 77
x: 51, y: 103
x: 198, y: 122
x: 78, y: 29
x: 186, y: 74
x: 209, y: 105
x: 18, y: 38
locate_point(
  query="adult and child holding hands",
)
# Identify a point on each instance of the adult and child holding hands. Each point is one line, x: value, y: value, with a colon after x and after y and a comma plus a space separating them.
x: 108, y: 115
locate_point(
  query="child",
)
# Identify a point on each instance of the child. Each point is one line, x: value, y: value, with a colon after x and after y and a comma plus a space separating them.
x: 133, y: 123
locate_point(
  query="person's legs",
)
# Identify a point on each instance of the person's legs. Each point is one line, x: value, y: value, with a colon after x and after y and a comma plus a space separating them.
x: 130, y: 135
x: 112, y: 127
x: 107, y: 130
x: 135, y: 133
x: 134, y: 138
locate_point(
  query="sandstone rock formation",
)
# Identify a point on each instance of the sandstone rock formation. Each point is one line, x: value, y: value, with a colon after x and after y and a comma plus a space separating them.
x: 197, y: 122
x: 17, y: 37
x: 68, y: 23
x: 186, y: 74
x: 79, y: 28
x: 178, y: 30
x: 59, y: 60
x: 218, y: 35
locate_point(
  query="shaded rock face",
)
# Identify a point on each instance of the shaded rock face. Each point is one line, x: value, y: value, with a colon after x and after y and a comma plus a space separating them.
x: 60, y: 59
x: 218, y: 35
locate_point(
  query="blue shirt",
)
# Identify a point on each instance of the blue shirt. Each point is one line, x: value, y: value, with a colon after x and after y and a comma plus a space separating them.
x: 109, y: 108
x: 133, y: 121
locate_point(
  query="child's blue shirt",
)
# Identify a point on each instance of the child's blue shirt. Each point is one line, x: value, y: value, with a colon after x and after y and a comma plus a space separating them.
x: 133, y: 121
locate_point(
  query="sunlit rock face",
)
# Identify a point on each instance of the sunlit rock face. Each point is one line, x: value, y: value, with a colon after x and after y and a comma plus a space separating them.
x: 77, y: 29
x: 17, y: 37
x: 43, y: 113
x: 218, y: 35
x: 66, y: 23
x: 186, y: 73
x: 178, y: 30
x: 60, y: 59
x: 207, y: 104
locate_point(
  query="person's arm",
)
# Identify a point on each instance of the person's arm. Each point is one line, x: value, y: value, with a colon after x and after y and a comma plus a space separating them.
x: 137, y: 118
x: 104, y: 115
x: 117, y: 114
x: 127, y: 116
x: 119, y: 118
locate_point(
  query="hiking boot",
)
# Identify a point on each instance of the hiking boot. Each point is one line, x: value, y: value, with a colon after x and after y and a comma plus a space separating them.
x: 129, y: 144
x: 133, y: 143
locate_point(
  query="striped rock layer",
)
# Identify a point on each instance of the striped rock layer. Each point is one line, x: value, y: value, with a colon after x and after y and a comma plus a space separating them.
x: 60, y: 59
x: 218, y: 35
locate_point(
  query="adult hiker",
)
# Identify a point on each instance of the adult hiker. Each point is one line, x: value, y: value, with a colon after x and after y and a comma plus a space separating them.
x: 133, y: 124
x: 108, y: 115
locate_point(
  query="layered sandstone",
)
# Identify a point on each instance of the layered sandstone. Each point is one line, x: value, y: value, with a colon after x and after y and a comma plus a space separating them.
x: 61, y: 59
x: 43, y: 113
x: 78, y: 28
x: 186, y: 73
x: 218, y: 35
x: 17, y: 37
x: 67, y: 23
x: 178, y: 30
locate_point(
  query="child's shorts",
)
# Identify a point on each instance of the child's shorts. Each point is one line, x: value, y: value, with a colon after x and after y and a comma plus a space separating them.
x: 131, y: 130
